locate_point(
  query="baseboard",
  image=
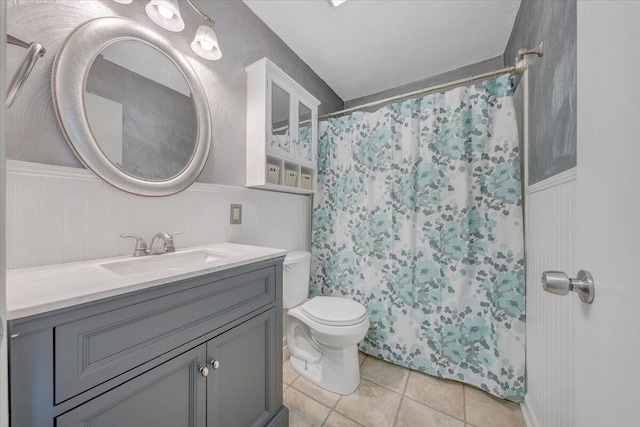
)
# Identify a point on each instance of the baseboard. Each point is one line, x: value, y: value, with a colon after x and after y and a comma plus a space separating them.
x: 529, y: 415
x: 280, y: 419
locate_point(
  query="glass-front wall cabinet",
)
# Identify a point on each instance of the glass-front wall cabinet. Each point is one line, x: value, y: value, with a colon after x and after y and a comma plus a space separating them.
x: 282, y: 128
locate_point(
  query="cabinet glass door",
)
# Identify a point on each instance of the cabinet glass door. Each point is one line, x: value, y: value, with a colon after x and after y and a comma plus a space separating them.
x: 304, y: 145
x: 280, y: 138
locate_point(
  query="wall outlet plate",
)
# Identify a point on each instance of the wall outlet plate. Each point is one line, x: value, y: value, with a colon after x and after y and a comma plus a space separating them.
x: 235, y: 214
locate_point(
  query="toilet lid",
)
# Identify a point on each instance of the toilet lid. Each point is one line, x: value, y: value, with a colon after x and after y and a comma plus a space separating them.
x: 334, y: 311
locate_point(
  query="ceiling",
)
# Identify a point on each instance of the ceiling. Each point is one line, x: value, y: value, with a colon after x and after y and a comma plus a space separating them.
x: 367, y: 46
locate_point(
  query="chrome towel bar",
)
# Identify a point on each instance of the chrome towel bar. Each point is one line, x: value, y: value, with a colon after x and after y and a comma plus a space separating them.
x: 34, y: 51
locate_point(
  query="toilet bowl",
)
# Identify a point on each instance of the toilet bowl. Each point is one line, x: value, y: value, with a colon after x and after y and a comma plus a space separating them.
x: 322, y: 332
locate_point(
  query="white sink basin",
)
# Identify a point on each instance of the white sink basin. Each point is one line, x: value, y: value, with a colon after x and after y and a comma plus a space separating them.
x: 166, y: 262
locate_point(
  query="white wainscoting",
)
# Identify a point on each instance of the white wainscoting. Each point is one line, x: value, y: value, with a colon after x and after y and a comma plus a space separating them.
x: 549, y: 239
x: 59, y: 214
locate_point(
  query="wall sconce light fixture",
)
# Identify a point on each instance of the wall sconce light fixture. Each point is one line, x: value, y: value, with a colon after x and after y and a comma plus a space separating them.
x: 166, y: 13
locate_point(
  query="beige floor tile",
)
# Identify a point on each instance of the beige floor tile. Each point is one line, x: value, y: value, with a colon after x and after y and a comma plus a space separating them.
x: 485, y: 410
x: 288, y: 374
x: 391, y: 376
x: 443, y: 395
x: 414, y: 414
x: 318, y: 393
x: 303, y: 410
x: 361, y: 357
x: 370, y: 405
x: 337, y: 420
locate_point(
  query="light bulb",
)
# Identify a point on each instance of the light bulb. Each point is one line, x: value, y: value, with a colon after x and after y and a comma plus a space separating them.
x: 166, y: 13
x: 206, y: 45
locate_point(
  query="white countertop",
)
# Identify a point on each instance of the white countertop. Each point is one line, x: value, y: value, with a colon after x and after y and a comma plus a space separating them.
x: 37, y: 290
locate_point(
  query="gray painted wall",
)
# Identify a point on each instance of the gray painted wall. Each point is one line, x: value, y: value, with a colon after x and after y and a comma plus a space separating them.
x: 552, y: 78
x: 33, y: 133
x: 458, y: 73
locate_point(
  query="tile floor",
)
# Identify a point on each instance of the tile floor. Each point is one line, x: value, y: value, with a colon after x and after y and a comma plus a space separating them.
x: 391, y: 395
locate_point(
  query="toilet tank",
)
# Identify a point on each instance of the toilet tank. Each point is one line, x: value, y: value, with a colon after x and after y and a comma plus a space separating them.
x: 295, y: 282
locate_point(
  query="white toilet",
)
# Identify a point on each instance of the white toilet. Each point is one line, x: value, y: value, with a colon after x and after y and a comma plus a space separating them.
x: 322, y: 332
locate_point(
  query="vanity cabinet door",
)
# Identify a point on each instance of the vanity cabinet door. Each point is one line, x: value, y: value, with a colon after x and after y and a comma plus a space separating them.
x: 170, y: 395
x: 241, y: 385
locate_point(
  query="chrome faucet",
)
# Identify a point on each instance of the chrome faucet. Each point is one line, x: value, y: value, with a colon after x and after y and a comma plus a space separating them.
x: 160, y: 244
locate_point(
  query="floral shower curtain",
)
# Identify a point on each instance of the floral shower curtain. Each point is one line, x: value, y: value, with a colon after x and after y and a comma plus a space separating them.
x: 418, y: 216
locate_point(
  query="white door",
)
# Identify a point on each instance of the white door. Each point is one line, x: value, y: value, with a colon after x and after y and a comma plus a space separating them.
x: 606, y: 334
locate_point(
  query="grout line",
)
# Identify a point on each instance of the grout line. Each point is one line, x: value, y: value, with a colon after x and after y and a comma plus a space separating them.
x: 326, y: 418
x: 347, y: 417
x: 311, y: 397
x: 383, y: 386
x: 337, y: 400
x: 350, y: 419
x: 464, y: 404
x: 406, y: 383
x: 365, y: 358
x: 404, y: 389
x: 435, y: 409
x: 395, y: 419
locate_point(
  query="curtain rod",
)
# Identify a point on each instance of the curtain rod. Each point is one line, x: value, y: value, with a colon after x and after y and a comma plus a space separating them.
x: 517, y: 68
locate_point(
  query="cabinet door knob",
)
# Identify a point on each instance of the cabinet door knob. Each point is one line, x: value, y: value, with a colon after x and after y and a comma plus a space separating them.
x: 204, y: 371
x: 215, y: 364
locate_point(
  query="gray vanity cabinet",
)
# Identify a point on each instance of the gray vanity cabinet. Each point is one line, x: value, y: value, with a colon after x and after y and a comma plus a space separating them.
x: 201, y: 352
x: 170, y: 395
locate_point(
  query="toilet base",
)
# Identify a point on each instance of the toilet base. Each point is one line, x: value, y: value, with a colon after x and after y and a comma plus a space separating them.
x: 338, y: 370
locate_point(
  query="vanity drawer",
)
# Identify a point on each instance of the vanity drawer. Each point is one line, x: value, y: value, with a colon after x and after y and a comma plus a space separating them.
x: 98, y: 348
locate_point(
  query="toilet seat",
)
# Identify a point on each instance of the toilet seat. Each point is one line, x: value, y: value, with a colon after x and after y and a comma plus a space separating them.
x: 334, y: 311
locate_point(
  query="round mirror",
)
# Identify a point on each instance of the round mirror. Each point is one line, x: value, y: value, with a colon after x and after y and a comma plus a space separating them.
x: 140, y: 110
x: 131, y: 107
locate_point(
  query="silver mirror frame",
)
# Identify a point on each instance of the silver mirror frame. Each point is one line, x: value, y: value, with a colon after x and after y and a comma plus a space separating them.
x: 70, y: 70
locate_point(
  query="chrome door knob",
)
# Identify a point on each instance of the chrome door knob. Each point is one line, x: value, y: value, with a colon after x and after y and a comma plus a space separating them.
x: 215, y: 364
x: 204, y: 371
x: 557, y: 282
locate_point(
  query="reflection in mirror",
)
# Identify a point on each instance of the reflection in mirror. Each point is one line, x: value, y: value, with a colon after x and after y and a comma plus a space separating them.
x: 140, y: 110
x: 280, y: 135
x: 304, y: 150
